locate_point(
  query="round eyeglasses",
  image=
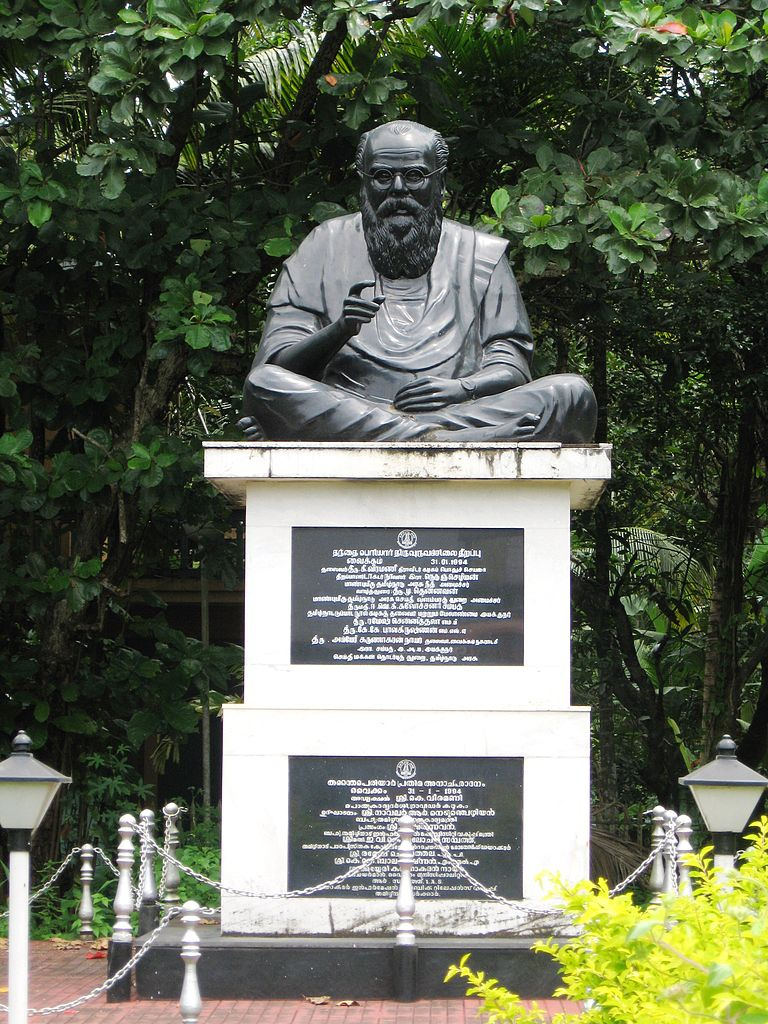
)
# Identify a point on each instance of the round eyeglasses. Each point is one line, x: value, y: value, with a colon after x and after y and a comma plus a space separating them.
x: 413, y: 177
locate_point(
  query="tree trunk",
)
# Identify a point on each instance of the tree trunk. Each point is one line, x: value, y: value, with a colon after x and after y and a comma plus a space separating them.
x: 754, y: 746
x: 606, y: 655
x: 722, y: 685
x: 606, y: 764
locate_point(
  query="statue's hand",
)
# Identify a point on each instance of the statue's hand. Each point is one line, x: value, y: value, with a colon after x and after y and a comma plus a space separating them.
x: 251, y: 429
x: 356, y: 310
x: 429, y: 393
x: 526, y: 425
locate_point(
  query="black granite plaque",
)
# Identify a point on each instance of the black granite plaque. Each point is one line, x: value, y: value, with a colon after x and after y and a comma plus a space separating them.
x: 382, y: 596
x: 342, y: 809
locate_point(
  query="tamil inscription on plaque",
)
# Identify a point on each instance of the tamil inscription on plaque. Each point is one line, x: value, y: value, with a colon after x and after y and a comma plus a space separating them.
x: 401, y: 596
x: 344, y: 809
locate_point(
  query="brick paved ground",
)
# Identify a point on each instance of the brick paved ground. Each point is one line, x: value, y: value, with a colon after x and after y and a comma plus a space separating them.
x: 59, y: 975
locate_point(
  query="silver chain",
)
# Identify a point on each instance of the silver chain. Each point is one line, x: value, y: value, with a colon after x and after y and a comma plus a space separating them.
x: 54, y: 877
x: 46, y: 1011
x: 169, y: 818
x: 112, y: 867
x: 670, y: 841
x: 292, y: 894
x: 139, y: 890
x: 634, y: 875
x: 490, y: 893
x: 669, y: 844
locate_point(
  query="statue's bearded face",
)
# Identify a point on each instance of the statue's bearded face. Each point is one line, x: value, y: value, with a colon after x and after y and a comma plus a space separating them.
x: 400, y: 204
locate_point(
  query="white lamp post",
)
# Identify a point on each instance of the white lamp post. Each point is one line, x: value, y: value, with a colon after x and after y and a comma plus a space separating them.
x: 27, y: 789
x: 726, y: 793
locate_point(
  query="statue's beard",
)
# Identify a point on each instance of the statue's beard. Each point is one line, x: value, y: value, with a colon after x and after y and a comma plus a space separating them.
x: 397, y: 248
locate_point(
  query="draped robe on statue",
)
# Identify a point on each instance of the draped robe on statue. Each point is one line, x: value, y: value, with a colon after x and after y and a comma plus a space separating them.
x: 464, y: 314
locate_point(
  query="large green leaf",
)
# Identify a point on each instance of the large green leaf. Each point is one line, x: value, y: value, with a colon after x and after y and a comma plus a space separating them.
x: 77, y: 722
x: 14, y: 443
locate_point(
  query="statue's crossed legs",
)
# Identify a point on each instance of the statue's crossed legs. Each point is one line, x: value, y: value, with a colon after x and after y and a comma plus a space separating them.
x: 289, y: 407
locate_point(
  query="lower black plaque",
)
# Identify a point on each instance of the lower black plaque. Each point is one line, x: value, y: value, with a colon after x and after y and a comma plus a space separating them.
x: 343, y: 809
x: 374, y: 595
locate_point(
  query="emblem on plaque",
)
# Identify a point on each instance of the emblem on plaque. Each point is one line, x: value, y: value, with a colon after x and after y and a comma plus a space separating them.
x: 407, y: 539
x: 406, y: 769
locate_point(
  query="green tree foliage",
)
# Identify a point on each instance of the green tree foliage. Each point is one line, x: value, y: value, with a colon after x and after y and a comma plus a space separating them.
x: 159, y: 158
x: 691, y: 958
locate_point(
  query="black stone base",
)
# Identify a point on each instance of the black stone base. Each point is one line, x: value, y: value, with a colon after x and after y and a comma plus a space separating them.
x: 247, y: 967
x: 118, y: 955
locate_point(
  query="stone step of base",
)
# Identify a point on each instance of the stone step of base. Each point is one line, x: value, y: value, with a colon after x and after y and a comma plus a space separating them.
x: 251, y: 967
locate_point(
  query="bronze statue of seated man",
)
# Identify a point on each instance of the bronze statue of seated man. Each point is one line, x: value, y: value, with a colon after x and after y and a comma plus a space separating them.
x: 441, y: 350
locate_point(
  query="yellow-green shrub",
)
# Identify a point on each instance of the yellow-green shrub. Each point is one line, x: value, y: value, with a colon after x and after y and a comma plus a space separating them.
x: 690, y: 960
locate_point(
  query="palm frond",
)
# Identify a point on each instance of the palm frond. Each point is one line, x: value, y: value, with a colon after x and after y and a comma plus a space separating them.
x: 666, y: 560
x: 281, y: 69
x: 464, y: 51
x: 647, y: 558
x: 613, y: 858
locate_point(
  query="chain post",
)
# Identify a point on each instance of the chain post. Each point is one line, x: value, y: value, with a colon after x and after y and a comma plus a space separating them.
x: 190, y: 1003
x: 656, y: 877
x: 147, y: 897
x: 684, y: 833
x: 670, y: 853
x: 121, y: 946
x: 171, y: 875
x: 406, y: 951
x: 85, y: 909
x: 406, y: 904
x: 123, y: 904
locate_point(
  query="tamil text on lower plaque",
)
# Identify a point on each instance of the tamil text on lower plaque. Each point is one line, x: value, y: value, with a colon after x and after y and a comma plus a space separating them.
x: 344, y: 809
x: 395, y: 596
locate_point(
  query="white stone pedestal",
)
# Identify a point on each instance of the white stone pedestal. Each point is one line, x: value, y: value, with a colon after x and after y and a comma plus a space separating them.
x: 412, y: 709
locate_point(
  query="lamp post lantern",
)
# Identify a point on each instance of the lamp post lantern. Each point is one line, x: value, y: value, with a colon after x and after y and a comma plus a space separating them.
x: 27, y: 789
x: 726, y: 793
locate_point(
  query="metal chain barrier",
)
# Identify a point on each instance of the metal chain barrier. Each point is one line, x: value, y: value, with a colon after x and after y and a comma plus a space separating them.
x: 668, y: 845
x: 59, y: 871
x: 73, y: 1004
x: 292, y: 894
